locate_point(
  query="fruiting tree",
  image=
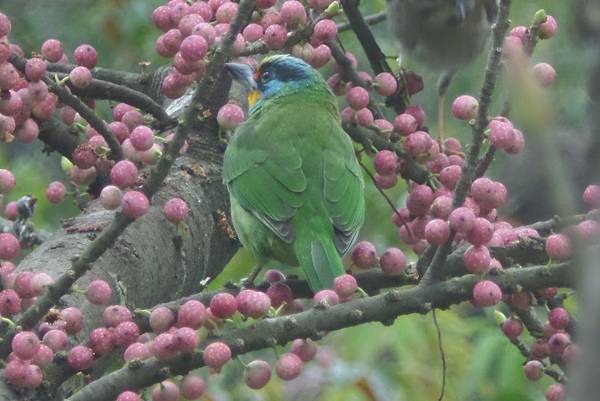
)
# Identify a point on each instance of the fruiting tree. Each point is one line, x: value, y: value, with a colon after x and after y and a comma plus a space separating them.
x: 157, y: 229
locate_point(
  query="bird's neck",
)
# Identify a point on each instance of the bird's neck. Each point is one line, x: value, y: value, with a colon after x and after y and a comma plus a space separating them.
x: 313, y: 91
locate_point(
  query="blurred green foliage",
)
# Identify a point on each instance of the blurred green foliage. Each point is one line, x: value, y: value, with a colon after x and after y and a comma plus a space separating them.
x: 372, y: 362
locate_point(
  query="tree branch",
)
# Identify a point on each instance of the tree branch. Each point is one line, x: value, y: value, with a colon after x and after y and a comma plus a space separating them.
x: 312, y: 323
x: 370, y: 20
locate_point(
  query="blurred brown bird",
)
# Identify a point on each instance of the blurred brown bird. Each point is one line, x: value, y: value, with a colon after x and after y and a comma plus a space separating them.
x: 444, y: 35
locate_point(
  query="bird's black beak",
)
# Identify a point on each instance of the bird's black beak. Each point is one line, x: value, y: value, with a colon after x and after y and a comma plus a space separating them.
x: 242, y: 73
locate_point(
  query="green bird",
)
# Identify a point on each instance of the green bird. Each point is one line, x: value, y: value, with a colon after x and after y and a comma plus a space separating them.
x: 295, y: 185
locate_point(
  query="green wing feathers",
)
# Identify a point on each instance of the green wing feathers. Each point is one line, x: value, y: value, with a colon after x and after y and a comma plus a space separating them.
x: 300, y: 178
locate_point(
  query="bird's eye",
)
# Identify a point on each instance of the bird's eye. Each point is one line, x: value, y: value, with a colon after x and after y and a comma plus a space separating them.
x: 265, y: 76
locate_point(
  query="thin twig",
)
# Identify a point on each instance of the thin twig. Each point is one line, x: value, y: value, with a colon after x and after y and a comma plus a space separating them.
x: 370, y: 20
x: 442, y: 354
x: 489, y: 83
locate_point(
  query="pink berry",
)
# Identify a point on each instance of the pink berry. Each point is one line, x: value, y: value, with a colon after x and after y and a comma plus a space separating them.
x: 481, y: 232
x: 556, y: 392
x: 21, y: 374
x: 483, y: 191
x: 364, y: 255
x: 161, y: 319
x: 465, y: 107
x: 84, y: 156
x: 120, y: 109
x: 80, y: 77
x: 477, y: 259
x: 289, y: 366
x: 176, y: 210
x: 345, y: 285
x: 101, y: 341
x: 56, y: 192
x: 254, y: 304
x: 163, y: 347
x: 325, y: 30
x: 115, y: 314
x: 230, y: 116
x: 384, y: 126
x: 10, y: 302
x: 216, y: 355
x: 25, y: 344
x: 223, y: 305
x: 358, y: 98
x: 419, y: 200
x: 320, y: 56
x: 165, y: 391
x: 520, y: 32
x: 274, y: 276
x: 405, y: 124
x: 293, y: 13
x: 559, y: 318
x: 386, y: 162
x: 135, y: 204
x: 518, y: 143
x: 364, y: 117
x: 73, y: 318
x: 512, y: 328
x: 305, y: 349
x: 386, y: 181
x: 417, y: 143
x: 80, y: 357
x: 124, y: 174
x: 253, y: 32
x: 591, y: 196
x: 35, y: 69
x: 393, y: 262
x: 126, y: 333
x: 9, y: 246
x: 132, y: 118
x: 22, y: 285
x: 5, y: 25
x: 7, y: 181
x: 385, y: 84
x: 544, y: 73
x: 192, y: 386
x: 558, y: 342
x: 43, y: 357
x: 193, y: 48
x: 86, y: 55
x: 56, y: 340
x: 558, y: 247
x: 142, y: 137
x: 548, y: 28
x: 185, y: 339
x: 437, y: 232
x: 486, y: 293
x: 188, y: 22
x: 98, y: 292
x: 328, y: 297
x: 534, y: 370
x: 129, y: 395
x: 501, y: 133
x: 110, y: 197
x: 191, y: 314
x: 418, y: 113
x: 275, y: 36
x: 257, y: 374
x: 52, y: 50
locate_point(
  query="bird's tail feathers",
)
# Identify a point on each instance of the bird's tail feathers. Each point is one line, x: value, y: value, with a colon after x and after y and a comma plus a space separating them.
x: 319, y: 260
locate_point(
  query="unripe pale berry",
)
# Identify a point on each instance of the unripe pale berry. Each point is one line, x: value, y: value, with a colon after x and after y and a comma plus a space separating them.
x: 345, y: 285
x: 230, y: 116
x: 465, y: 107
x: 558, y: 247
x: 257, y: 374
x: 254, y: 304
x: 161, y: 319
x: 544, y: 73
x: 364, y: 255
x: 437, y: 232
x: 85, y: 55
x: 216, y: 355
x: 80, y: 77
x: 192, y: 386
x: 512, y: 328
x: 110, y: 197
x: 326, y: 296
x: 135, y: 204
x: 289, y: 366
x: 534, y: 370
x: 191, y: 314
x: 223, y: 305
x: 9, y: 246
x: 486, y: 293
